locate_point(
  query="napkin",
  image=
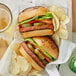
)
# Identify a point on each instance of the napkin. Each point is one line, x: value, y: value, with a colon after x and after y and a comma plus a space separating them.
x: 65, y: 52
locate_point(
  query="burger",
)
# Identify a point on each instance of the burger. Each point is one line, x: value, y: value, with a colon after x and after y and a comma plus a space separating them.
x: 35, y: 21
x: 39, y: 51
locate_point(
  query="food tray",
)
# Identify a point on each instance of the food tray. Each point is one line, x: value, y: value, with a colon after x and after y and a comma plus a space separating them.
x: 66, y: 4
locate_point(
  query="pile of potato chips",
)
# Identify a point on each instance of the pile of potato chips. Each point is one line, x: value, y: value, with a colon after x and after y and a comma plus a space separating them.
x: 60, y: 21
x: 19, y: 65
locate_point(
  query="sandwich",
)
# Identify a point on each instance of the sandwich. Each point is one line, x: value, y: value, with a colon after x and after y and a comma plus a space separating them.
x: 39, y: 51
x: 35, y: 21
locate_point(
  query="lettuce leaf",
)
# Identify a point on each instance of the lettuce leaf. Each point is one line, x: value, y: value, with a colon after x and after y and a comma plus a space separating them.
x: 48, y: 15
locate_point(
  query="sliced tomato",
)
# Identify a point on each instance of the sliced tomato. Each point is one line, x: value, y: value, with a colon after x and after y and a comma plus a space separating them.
x: 48, y: 21
x: 20, y: 26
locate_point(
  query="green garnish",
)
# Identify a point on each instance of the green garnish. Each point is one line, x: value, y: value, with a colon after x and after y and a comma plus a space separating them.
x: 46, y: 16
x: 43, y: 17
x: 28, y: 20
x: 49, y: 14
x: 30, y: 46
x: 39, y: 54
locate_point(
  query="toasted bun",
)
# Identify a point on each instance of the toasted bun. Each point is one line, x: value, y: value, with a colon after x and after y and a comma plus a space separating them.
x: 48, y: 45
x: 29, y: 59
x: 32, y: 12
x: 37, y: 33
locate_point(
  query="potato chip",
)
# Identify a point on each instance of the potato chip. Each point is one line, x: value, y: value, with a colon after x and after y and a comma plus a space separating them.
x: 14, y: 55
x: 19, y: 65
x: 25, y: 67
x: 55, y: 22
x: 15, y: 68
x: 34, y: 73
x: 56, y: 39
x: 15, y: 48
x: 65, y: 21
x: 62, y: 32
x: 59, y: 12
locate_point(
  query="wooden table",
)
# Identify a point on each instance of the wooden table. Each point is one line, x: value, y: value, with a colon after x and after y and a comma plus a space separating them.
x: 74, y: 15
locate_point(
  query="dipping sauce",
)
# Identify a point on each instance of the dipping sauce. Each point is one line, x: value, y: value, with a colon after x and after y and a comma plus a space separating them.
x: 4, y: 18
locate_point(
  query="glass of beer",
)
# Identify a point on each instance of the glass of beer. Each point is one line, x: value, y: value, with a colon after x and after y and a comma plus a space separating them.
x: 5, y: 17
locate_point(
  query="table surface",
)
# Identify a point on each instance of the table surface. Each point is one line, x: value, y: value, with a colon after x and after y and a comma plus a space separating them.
x: 74, y: 15
x: 64, y: 69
